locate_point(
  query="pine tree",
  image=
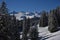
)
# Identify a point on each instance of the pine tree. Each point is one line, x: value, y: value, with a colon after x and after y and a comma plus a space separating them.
x: 52, y: 21
x: 58, y: 14
x: 33, y: 32
x: 26, y: 27
x: 3, y: 8
x: 28, y: 24
x: 24, y: 35
x: 8, y: 24
x: 14, y: 29
x: 43, y: 19
x: 4, y: 27
x: 5, y: 19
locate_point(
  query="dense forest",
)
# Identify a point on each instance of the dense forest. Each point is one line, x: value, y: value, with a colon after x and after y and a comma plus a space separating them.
x: 11, y: 28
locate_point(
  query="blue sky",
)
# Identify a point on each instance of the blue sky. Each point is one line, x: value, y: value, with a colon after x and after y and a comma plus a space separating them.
x: 31, y: 5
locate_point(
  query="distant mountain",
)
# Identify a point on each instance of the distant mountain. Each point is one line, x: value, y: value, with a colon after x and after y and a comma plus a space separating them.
x: 21, y: 15
x: 14, y: 12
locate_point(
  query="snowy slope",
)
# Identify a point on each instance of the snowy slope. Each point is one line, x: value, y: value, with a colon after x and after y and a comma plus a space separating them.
x: 46, y: 35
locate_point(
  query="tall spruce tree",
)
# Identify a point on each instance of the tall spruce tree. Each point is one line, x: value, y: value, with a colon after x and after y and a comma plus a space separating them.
x: 8, y: 24
x: 4, y: 20
x: 33, y: 32
x: 52, y: 21
x: 3, y: 8
x: 14, y: 29
x: 24, y: 34
x: 26, y: 27
x: 58, y: 14
x: 43, y: 19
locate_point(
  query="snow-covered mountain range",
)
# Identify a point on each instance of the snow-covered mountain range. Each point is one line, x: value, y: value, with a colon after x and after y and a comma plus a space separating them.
x: 21, y: 15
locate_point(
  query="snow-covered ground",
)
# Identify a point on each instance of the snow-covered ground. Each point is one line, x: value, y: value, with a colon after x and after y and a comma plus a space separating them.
x: 44, y: 34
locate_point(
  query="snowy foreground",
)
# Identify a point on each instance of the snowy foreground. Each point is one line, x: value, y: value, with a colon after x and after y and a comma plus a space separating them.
x: 44, y: 34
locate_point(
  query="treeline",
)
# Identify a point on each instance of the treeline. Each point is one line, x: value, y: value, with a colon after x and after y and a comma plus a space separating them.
x: 10, y: 27
x: 51, y: 19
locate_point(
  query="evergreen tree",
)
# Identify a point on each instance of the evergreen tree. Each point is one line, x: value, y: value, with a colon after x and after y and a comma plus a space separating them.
x: 3, y: 8
x: 5, y: 19
x: 14, y: 28
x: 24, y: 35
x: 8, y: 24
x: 58, y: 14
x: 4, y: 26
x: 52, y: 21
x: 26, y: 27
x: 33, y: 32
x: 43, y: 19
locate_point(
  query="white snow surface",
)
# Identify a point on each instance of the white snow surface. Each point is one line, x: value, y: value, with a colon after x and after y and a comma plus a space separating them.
x: 46, y: 35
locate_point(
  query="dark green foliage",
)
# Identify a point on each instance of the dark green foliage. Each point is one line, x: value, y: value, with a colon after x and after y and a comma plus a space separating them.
x: 33, y: 33
x: 53, y: 23
x: 3, y: 37
x: 43, y: 19
x: 58, y: 14
x: 8, y: 25
x: 3, y: 9
x: 26, y: 27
